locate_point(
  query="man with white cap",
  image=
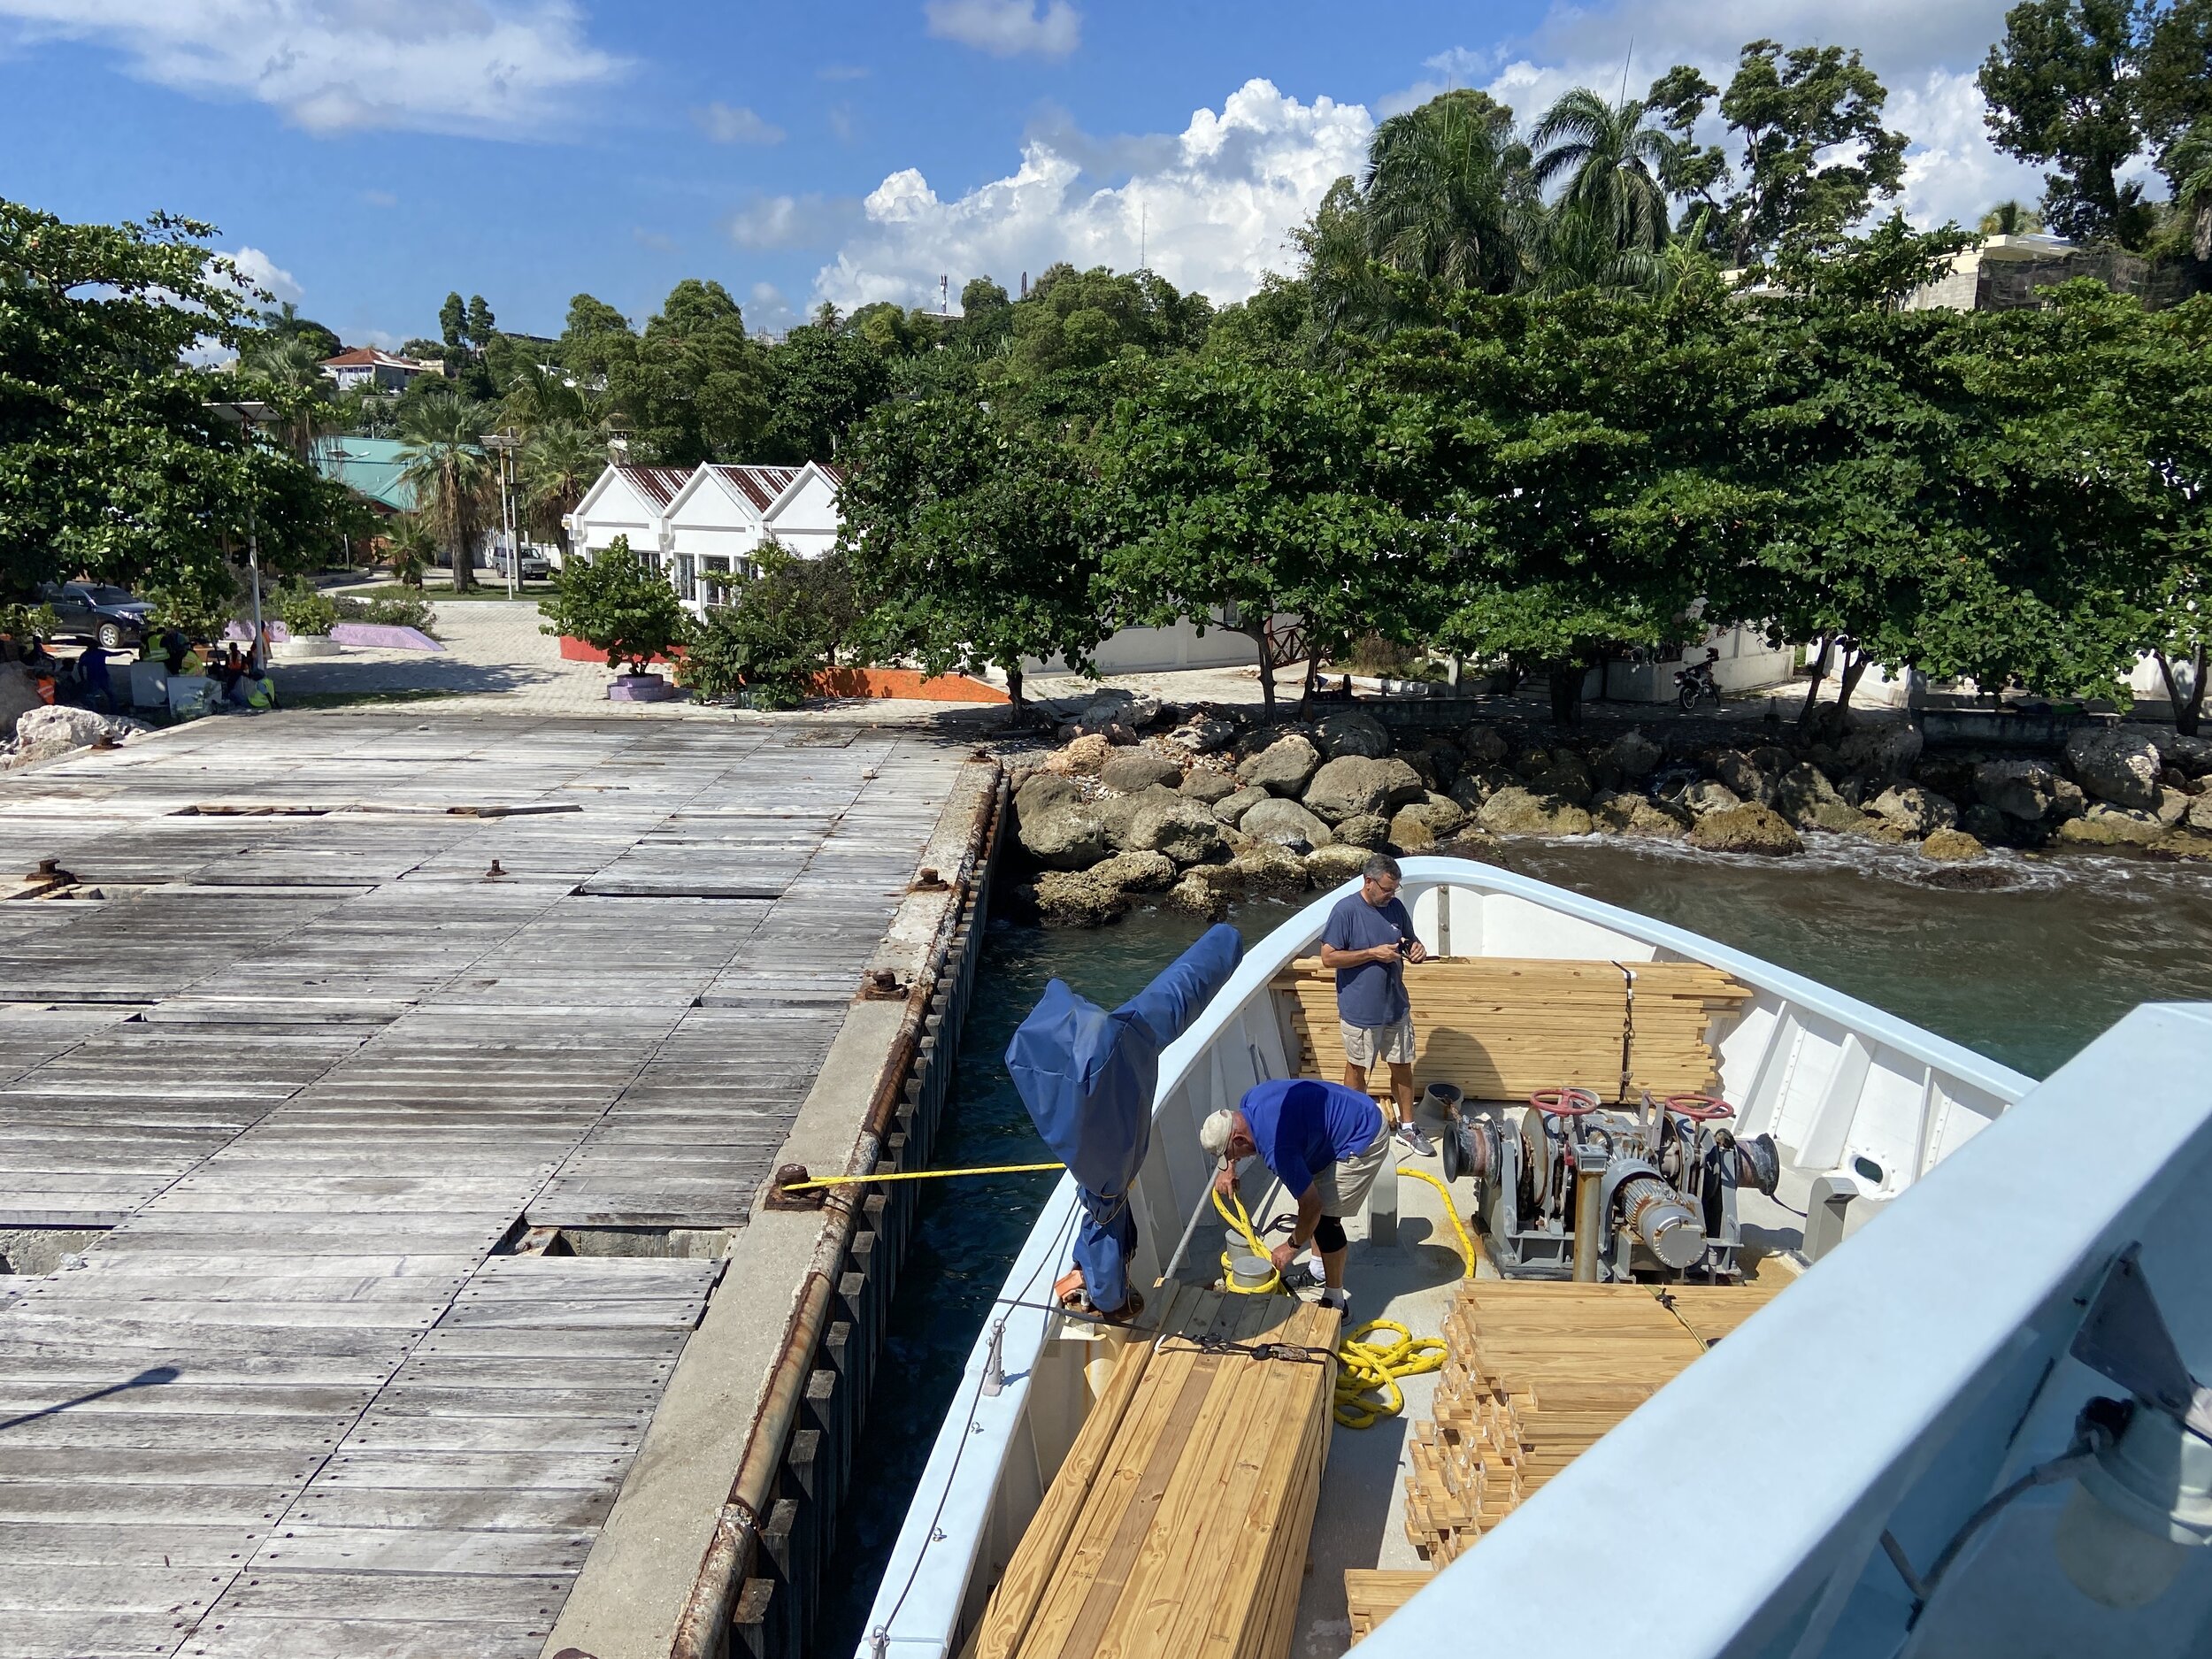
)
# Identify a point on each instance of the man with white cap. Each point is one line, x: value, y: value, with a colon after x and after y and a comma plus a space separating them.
x: 1324, y: 1142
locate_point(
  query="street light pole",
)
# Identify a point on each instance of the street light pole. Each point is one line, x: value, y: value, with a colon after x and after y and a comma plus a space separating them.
x: 503, y: 444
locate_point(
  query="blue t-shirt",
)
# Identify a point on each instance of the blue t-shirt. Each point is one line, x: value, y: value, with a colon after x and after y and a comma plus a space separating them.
x: 1374, y: 993
x: 1301, y: 1126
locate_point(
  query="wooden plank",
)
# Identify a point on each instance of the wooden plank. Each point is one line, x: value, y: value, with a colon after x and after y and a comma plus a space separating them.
x: 251, y: 1638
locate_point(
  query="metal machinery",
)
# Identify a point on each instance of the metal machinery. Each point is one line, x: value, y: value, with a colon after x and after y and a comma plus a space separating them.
x: 1568, y: 1188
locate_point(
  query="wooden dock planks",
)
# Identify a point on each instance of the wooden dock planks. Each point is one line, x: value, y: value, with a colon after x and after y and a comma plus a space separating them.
x: 298, y: 1075
x: 1178, y: 1524
x: 1501, y: 1028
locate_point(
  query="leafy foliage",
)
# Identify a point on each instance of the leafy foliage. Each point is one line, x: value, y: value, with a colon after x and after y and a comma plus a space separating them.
x: 784, y: 623
x: 615, y: 604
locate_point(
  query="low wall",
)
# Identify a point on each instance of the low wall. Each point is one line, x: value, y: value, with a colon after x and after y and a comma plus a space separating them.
x: 907, y: 684
x: 574, y: 650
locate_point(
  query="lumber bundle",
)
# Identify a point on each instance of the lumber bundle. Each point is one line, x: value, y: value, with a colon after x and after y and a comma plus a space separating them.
x: 1502, y: 1027
x: 1372, y: 1594
x: 1537, y: 1372
x: 1177, y: 1525
x: 1710, y: 1312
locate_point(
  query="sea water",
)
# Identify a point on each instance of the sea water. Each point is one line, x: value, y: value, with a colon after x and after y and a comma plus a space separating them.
x: 2021, y: 958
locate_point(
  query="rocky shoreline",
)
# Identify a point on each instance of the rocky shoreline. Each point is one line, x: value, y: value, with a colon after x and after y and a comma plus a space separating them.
x: 1142, y: 803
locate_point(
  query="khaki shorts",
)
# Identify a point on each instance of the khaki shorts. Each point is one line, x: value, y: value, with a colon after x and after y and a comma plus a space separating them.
x: 1391, y: 1044
x: 1343, y: 1188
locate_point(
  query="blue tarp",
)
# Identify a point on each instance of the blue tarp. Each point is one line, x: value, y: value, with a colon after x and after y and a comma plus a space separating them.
x: 1088, y: 1077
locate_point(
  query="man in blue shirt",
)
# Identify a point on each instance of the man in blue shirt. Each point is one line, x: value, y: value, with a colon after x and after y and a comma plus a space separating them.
x: 1368, y: 940
x: 1324, y: 1142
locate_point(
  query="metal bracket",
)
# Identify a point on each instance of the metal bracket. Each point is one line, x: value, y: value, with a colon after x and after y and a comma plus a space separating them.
x: 781, y: 1197
x: 2125, y: 1337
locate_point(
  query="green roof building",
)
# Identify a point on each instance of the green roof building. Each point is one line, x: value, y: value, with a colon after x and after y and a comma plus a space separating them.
x: 370, y: 467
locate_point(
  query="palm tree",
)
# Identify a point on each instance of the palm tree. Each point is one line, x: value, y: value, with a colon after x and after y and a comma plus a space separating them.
x: 1613, y: 165
x: 2011, y: 219
x: 301, y: 391
x: 2189, y: 165
x: 451, y: 476
x: 1580, y: 248
x: 560, y: 458
x: 412, y: 544
x: 1448, y: 195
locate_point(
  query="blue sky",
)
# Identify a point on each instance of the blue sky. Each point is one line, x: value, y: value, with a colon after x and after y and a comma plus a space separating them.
x: 366, y: 156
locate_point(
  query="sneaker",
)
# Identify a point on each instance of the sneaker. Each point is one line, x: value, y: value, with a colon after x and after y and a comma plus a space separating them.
x: 1340, y: 1300
x: 1409, y: 1137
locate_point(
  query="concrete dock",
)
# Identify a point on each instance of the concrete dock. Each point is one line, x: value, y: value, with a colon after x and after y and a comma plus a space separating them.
x: 385, y: 1105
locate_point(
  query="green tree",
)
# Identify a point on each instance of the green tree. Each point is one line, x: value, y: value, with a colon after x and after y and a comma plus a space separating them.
x: 967, y: 542
x: 1449, y: 195
x: 822, y: 378
x: 596, y: 343
x: 2063, y: 88
x: 2011, y: 218
x: 481, y: 329
x: 785, y: 622
x: 1234, y: 493
x: 1816, y: 156
x: 115, y: 461
x: 411, y: 543
x: 453, y: 322
x: 443, y: 460
x: 1611, y: 165
x: 697, y: 387
x: 285, y: 323
x: 615, y: 604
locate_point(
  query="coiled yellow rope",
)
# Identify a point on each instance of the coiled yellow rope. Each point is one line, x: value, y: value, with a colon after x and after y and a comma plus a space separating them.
x: 1368, y: 1373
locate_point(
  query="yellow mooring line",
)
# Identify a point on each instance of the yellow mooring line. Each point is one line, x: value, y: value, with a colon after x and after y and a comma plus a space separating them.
x: 915, y: 1175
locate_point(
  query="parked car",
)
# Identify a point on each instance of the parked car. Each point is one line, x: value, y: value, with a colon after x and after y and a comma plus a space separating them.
x: 535, y: 566
x: 95, y: 612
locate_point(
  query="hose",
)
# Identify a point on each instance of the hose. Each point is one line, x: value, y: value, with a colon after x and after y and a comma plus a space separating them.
x: 1368, y: 1373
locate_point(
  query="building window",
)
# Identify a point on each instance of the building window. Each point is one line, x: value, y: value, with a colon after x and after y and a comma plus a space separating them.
x: 686, y: 576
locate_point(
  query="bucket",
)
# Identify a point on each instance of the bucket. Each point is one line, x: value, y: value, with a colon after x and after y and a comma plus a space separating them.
x: 1248, y: 1272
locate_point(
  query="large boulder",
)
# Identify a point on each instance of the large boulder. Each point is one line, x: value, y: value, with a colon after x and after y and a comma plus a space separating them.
x: 2199, y: 817
x: 1207, y: 786
x: 2024, y: 789
x: 1470, y: 790
x: 1748, y: 828
x: 1560, y: 771
x: 1230, y: 809
x: 1062, y: 833
x: 1199, y: 897
x: 1353, y: 731
x: 1884, y: 750
x: 1184, y: 830
x: 1072, y: 899
x: 2191, y: 754
x: 2172, y: 807
x: 1117, y: 813
x: 1284, y: 823
x: 1042, y: 791
x: 1519, y: 811
x: 1082, y: 757
x: 1801, y: 793
x: 51, y: 731
x: 1408, y: 831
x: 1205, y: 733
x: 1370, y: 830
x: 1444, y: 815
x: 1701, y: 798
x: 2115, y: 764
x: 1271, y: 873
x: 1632, y: 814
x: 1134, y: 769
x: 1952, y: 847
x: 1483, y: 745
x: 2105, y: 826
x: 1442, y: 758
x: 1135, y: 873
x: 1338, y: 862
x: 1632, y: 758
x: 1918, y: 811
x: 1352, y: 785
x: 1286, y: 766
x: 1750, y: 781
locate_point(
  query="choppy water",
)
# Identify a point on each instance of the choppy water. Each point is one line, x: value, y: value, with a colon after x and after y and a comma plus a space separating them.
x: 2026, y: 974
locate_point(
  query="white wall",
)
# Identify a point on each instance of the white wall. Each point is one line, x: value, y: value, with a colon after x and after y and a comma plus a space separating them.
x: 1747, y: 662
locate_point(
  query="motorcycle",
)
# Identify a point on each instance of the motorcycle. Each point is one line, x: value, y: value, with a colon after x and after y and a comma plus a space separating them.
x: 1693, y: 684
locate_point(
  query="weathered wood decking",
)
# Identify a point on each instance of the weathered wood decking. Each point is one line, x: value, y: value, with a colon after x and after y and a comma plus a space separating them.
x: 311, y: 1069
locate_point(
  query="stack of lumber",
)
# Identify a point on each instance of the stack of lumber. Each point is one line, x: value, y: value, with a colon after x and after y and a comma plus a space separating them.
x: 1177, y: 1525
x: 1536, y: 1373
x: 1712, y: 1311
x: 1372, y: 1594
x: 1503, y: 1028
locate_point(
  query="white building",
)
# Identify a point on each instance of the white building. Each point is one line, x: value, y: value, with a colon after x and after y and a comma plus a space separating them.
x: 379, y: 371
x: 722, y: 517
x: 627, y: 500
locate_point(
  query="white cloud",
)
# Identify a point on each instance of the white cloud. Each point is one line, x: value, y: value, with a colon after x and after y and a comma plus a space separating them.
x: 264, y: 272
x: 725, y: 124
x: 843, y: 72
x: 792, y: 221
x: 1008, y: 28
x: 1952, y: 172
x: 766, y: 309
x: 483, y: 67
x: 1216, y: 206
x: 380, y: 198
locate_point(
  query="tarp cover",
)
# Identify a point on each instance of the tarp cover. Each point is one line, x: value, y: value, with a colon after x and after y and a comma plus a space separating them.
x: 1088, y: 1077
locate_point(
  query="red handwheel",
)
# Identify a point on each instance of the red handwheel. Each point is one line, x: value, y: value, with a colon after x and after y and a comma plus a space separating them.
x: 1700, y: 1109
x: 1564, y: 1102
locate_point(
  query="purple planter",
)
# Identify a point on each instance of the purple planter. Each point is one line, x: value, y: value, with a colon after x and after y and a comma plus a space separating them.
x: 384, y: 636
x: 640, y: 689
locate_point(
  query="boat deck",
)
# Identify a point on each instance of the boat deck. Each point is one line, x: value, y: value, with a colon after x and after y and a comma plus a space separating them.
x: 293, y: 1093
x: 1360, y: 1523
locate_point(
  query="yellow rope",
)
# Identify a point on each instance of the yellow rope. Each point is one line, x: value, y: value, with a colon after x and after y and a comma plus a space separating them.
x: 918, y: 1175
x: 1368, y: 1373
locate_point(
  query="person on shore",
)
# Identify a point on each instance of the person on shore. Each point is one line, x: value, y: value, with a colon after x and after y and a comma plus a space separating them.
x: 1324, y: 1142
x: 92, y: 675
x: 1368, y: 940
